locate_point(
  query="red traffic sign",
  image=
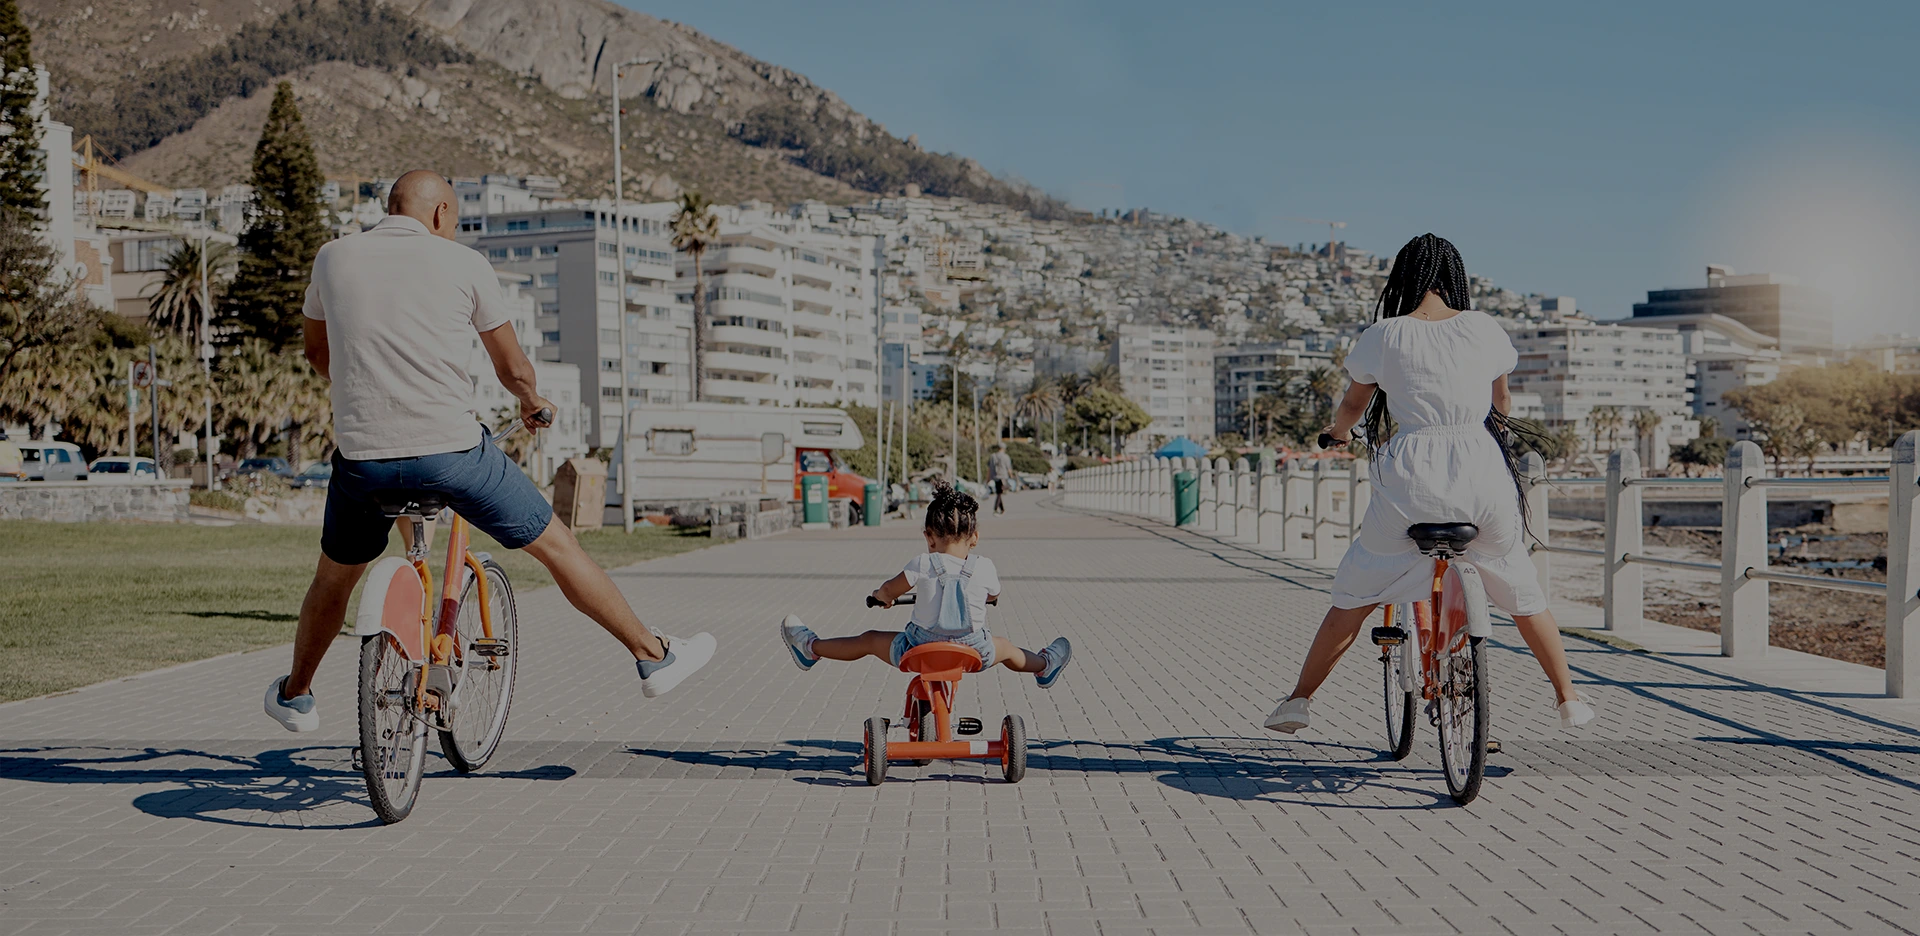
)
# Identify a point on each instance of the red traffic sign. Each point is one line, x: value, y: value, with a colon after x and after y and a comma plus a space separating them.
x: 142, y: 374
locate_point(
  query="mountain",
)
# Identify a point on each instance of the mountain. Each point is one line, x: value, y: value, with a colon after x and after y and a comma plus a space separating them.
x: 172, y: 88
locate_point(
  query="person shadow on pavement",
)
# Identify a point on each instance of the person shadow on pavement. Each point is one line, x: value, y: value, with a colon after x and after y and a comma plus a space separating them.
x: 312, y: 787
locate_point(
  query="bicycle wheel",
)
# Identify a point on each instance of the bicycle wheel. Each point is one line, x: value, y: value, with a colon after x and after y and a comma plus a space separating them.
x: 1462, y: 711
x: 924, y: 729
x: 393, y: 743
x: 1397, y: 681
x: 486, y: 672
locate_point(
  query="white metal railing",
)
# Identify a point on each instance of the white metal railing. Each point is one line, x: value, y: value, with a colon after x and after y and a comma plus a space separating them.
x: 1310, y: 509
x: 1744, y: 576
x: 1307, y: 509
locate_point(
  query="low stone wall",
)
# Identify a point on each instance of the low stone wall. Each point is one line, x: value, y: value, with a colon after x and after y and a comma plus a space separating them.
x: 87, y: 501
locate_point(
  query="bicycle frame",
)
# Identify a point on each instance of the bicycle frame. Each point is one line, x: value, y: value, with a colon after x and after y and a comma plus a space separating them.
x: 1456, y: 608
x: 398, y: 602
x: 937, y: 668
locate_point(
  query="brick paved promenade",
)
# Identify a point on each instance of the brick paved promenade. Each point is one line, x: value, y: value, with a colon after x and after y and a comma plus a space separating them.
x: 1702, y: 801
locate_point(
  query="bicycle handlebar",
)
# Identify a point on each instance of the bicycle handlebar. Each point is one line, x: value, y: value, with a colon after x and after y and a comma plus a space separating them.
x: 1327, y: 441
x: 907, y: 598
x: 542, y: 416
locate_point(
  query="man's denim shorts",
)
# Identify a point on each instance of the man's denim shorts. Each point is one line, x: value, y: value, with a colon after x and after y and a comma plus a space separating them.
x: 481, y: 484
x: 915, y: 635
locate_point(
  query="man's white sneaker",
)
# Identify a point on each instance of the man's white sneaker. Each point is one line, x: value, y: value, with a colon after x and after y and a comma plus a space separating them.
x: 1574, y: 713
x: 684, y: 658
x: 1290, y: 717
x: 295, y: 714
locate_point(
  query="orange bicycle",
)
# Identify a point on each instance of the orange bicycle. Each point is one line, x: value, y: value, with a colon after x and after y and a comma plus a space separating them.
x: 1447, y: 646
x: 443, y: 666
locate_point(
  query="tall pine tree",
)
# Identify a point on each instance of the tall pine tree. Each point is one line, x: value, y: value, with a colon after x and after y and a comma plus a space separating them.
x: 285, y: 228
x: 22, y: 164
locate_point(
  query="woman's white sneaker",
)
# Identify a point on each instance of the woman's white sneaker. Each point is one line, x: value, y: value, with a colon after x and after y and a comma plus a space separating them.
x: 1290, y: 717
x: 1574, y: 713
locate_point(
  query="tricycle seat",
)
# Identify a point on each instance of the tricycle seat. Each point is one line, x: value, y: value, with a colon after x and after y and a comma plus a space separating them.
x: 942, y: 661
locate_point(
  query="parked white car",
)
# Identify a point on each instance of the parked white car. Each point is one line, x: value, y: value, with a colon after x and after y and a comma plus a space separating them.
x: 52, y: 461
x: 122, y: 468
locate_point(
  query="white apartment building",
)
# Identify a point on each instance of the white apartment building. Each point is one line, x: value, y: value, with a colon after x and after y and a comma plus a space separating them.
x: 1721, y: 355
x: 791, y: 311
x: 559, y: 383
x: 1168, y: 370
x: 569, y: 251
x: 1243, y: 373
x: 1577, y: 366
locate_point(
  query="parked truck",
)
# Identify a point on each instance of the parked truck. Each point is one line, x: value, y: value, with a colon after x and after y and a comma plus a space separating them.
x: 697, y: 452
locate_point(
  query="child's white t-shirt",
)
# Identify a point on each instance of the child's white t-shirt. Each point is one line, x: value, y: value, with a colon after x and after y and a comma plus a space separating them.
x: 982, y: 580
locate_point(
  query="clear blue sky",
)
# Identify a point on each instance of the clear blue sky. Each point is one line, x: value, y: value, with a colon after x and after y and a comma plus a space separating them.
x: 1594, y: 150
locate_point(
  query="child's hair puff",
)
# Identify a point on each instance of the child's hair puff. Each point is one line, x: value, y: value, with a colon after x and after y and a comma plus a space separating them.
x: 952, y: 513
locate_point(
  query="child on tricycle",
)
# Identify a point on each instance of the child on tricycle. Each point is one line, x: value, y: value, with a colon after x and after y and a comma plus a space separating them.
x: 952, y: 588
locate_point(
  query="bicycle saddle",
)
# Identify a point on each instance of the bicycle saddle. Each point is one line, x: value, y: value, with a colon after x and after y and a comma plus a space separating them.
x: 410, y: 503
x: 1450, y: 537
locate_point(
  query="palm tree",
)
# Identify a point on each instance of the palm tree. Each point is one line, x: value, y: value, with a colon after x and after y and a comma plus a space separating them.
x: 174, y: 300
x: 1323, y: 383
x: 1646, y: 422
x: 251, y: 381
x: 1103, y: 376
x: 1040, y: 400
x: 1709, y: 427
x: 308, y: 413
x: 695, y: 228
x: 1606, y: 420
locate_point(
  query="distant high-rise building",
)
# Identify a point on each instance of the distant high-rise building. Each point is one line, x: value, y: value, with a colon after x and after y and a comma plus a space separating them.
x: 1721, y: 355
x: 1799, y: 317
x: 1243, y: 373
x: 1577, y: 367
x: 1168, y: 370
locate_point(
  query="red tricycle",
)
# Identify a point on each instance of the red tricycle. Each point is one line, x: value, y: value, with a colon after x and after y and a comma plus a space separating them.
x: 937, y: 668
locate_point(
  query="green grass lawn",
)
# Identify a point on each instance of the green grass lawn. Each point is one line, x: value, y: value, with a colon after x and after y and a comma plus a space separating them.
x: 85, y: 602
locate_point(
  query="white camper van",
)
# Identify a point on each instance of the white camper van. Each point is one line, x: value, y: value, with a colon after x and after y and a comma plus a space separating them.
x: 698, y: 451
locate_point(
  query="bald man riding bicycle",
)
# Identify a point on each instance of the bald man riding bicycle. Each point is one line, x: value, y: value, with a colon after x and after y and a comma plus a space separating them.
x: 390, y: 318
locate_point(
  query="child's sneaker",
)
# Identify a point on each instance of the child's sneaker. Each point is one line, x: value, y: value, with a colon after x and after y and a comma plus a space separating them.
x: 684, y: 658
x: 1057, y: 655
x: 798, y: 639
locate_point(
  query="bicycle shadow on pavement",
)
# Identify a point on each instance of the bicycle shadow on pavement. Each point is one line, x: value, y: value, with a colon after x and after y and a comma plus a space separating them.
x: 313, y: 787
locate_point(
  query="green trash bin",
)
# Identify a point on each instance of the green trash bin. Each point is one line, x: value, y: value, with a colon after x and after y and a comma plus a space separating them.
x: 874, y: 502
x: 813, y: 497
x: 1186, y: 498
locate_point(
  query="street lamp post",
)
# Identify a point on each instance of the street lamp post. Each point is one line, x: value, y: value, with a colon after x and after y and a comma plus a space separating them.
x: 620, y: 264
x: 206, y: 353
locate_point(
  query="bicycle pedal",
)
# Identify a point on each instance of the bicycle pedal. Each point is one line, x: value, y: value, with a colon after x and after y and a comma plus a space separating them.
x: 359, y: 763
x: 1389, y: 636
x: 1493, y: 746
x: 969, y: 726
x: 489, y: 647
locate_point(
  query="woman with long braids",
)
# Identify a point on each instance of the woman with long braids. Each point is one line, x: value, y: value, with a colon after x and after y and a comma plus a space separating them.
x: 1438, y: 369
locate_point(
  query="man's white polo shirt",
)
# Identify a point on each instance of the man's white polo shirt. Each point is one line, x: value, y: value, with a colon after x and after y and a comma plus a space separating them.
x: 402, y: 307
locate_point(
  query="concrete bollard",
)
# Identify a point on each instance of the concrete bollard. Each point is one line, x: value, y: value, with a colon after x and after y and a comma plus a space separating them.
x: 1359, y: 496
x: 1621, y: 599
x: 1533, y: 473
x: 1209, y: 498
x: 1271, y: 506
x: 1743, y: 546
x: 1223, y: 503
x: 1325, y: 530
x: 1903, y: 569
x: 1247, y: 510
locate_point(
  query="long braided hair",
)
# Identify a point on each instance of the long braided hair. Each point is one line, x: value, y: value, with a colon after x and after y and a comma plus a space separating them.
x: 1430, y: 263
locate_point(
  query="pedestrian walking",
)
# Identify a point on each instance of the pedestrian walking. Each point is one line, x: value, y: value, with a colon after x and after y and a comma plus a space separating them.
x: 999, y: 473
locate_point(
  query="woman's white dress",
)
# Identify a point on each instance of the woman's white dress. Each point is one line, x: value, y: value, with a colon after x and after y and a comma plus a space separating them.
x: 1441, y: 466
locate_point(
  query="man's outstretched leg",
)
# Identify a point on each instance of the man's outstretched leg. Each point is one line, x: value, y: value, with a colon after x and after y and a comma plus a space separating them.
x: 290, y: 698
x: 663, y: 662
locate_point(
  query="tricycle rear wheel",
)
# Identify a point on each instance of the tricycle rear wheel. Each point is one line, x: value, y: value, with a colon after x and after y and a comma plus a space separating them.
x: 1013, y: 734
x: 876, y: 751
